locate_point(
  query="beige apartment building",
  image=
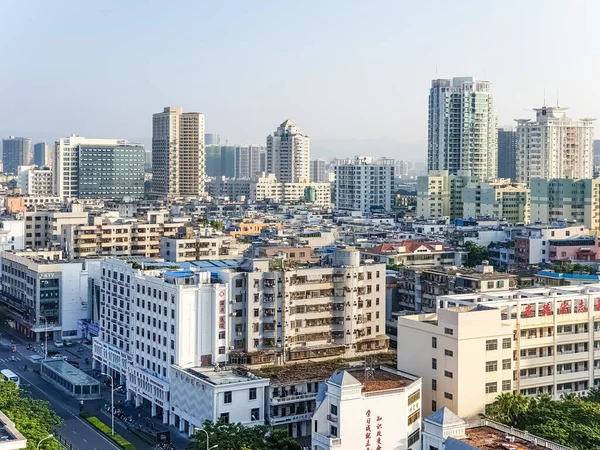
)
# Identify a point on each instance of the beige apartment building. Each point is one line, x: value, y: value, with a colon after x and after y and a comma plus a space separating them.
x: 499, y: 199
x: 197, y: 248
x: 533, y: 341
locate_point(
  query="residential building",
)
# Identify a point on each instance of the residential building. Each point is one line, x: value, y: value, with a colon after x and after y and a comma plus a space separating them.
x: 439, y: 194
x: 236, y: 396
x: 470, y: 143
x: 507, y: 153
x: 96, y: 236
x: 317, y: 193
x: 267, y: 188
x: 154, y: 316
x: 532, y: 244
x: 554, y: 146
x: 444, y: 430
x: 98, y: 168
x: 197, y: 248
x: 178, y: 153
x: 499, y: 199
x: 365, y: 184
x: 297, y: 254
x: 288, y: 154
x: 43, y: 293
x: 234, y: 189
x: 212, y: 139
x: 35, y: 181
x: 222, y: 161
x: 250, y: 227
x: 580, y: 248
x: 556, y: 279
x: 44, y: 229
x: 12, y: 234
x: 414, y: 254
x: 374, y: 407
x: 318, y: 171
x: 16, y: 151
x: 533, y: 341
x: 567, y: 199
x: 257, y: 164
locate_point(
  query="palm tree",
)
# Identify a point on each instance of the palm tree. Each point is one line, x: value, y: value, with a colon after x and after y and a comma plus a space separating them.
x: 508, y: 408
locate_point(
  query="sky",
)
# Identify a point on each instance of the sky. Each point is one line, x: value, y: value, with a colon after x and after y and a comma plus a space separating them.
x: 341, y: 69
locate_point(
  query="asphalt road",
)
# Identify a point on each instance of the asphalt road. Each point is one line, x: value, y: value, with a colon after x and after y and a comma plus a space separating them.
x: 74, y: 430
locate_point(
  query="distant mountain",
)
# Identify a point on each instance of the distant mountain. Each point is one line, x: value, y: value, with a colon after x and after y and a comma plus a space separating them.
x: 383, y: 146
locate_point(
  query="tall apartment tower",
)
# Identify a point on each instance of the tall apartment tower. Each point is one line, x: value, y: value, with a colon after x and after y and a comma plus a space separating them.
x: 462, y: 127
x: 554, y: 146
x: 178, y: 153
x: 507, y: 153
x: 318, y: 171
x: 41, y: 155
x: 16, y: 151
x: 288, y: 154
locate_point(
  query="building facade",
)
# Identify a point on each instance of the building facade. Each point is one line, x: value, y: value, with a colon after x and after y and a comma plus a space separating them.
x: 554, y: 146
x: 178, y: 153
x: 16, y: 151
x: 42, y: 156
x: 439, y: 194
x: 566, y: 199
x: 318, y: 171
x: 499, y: 199
x: 365, y: 184
x: 288, y: 154
x: 463, y: 127
x: 507, y: 154
x: 35, y: 181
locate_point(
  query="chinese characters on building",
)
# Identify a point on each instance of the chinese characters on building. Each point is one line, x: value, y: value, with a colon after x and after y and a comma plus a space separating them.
x: 373, y: 432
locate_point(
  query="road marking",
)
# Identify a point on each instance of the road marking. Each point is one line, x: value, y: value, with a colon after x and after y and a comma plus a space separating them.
x: 75, y: 432
x: 85, y: 440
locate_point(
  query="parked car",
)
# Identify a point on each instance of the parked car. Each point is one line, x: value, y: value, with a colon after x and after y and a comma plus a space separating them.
x: 73, y: 363
x: 59, y: 344
x: 69, y: 343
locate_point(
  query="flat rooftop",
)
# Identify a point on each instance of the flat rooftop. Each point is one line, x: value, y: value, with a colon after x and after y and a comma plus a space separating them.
x: 221, y: 376
x: 380, y: 379
x: 68, y: 372
x: 487, y: 438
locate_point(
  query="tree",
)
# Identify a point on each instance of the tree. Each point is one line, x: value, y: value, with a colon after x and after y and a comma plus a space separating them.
x: 476, y: 254
x: 235, y: 436
x: 216, y: 224
x: 33, y: 418
x: 508, y: 408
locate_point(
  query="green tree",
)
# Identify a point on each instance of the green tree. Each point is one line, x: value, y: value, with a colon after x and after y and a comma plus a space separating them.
x: 235, y: 436
x: 508, y: 408
x: 476, y: 254
x: 33, y: 418
x: 216, y: 224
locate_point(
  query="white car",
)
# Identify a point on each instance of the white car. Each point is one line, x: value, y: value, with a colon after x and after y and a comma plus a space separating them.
x: 59, y: 344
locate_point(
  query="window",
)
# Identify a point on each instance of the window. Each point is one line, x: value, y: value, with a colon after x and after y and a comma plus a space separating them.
x: 449, y: 331
x: 431, y: 447
x: 506, y: 364
x: 434, y: 385
x: 333, y: 431
x: 490, y: 388
x: 221, y: 335
x: 415, y: 396
x: 224, y: 417
x: 506, y: 385
x: 491, y: 366
x: 413, y: 437
x: 433, y: 405
x: 255, y: 414
x: 433, y: 342
x: 333, y: 410
x: 448, y: 395
x: 227, y: 397
x: 433, y: 363
x: 448, y: 374
x: 491, y: 344
x: 506, y: 343
x: 414, y: 417
x: 252, y: 394
x: 448, y: 352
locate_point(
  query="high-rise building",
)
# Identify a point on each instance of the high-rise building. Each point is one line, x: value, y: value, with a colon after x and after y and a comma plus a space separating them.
x: 257, y: 160
x: 288, y: 154
x: 498, y: 199
x: 35, y: 181
x: 16, y: 151
x: 212, y: 139
x: 365, y: 184
x: 243, y: 161
x: 507, y: 153
x: 462, y: 127
x: 439, y: 194
x: 318, y: 171
x: 178, y: 153
x: 554, y: 146
x: 98, y: 168
x: 41, y: 155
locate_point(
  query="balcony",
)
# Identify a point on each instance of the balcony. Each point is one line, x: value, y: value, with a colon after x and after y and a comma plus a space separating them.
x: 290, y: 398
x: 326, y: 441
x: 290, y: 419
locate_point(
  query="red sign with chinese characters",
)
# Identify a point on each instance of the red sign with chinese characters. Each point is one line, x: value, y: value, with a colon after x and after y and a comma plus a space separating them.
x: 373, y: 432
x: 221, y: 311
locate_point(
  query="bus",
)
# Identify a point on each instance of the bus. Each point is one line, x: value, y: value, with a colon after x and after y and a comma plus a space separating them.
x: 10, y: 375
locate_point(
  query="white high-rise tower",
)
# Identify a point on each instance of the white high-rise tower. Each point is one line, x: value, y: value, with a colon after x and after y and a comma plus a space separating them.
x: 554, y: 146
x: 288, y: 154
x: 462, y: 127
x: 178, y: 153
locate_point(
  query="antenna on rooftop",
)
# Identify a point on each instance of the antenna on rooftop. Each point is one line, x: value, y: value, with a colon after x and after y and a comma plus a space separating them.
x: 544, y: 97
x: 557, y: 98
x: 369, y: 370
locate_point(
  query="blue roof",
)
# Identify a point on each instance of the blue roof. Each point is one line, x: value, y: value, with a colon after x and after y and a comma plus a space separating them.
x: 548, y: 273
x: 179, y: 274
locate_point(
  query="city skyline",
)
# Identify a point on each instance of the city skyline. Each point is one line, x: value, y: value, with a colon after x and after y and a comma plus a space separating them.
x: 356, y: 72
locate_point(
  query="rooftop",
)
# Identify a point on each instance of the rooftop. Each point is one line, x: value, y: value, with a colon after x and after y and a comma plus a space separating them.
x: 488, y: 438
x: 380, y: 378
x: 8, y: 432
x: 218, y: 376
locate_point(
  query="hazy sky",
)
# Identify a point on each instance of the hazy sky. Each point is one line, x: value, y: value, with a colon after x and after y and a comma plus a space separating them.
x: 357, y: 69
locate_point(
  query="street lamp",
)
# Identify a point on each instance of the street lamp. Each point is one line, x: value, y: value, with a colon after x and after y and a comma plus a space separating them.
x: 50, y: 436
x: 112, y: 401
x: 45, y: 337
x: 207, y: 440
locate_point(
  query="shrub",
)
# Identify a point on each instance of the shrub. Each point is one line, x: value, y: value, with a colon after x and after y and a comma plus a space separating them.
x: 106, y: 430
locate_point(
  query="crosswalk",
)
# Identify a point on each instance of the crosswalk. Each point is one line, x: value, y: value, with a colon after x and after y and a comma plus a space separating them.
x: 10, y: 359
